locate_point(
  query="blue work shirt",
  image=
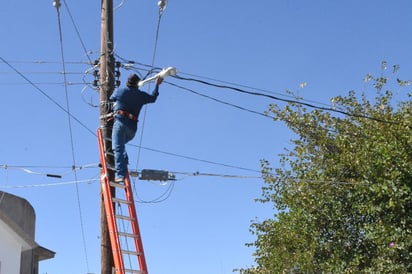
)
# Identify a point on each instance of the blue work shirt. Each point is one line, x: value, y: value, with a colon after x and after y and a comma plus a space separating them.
x: 131, y: 99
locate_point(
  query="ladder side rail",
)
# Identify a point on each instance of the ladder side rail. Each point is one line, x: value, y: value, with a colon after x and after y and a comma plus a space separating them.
x: 135, y: 226
x: 109, y: 209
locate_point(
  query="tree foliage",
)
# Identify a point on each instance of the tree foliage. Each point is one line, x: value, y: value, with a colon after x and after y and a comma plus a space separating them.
x: 342, y: 196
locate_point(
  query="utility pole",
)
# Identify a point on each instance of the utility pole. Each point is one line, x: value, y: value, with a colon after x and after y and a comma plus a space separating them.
x: 106, y: 82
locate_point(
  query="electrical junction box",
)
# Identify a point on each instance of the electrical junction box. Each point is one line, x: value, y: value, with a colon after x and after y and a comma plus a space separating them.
x: 154, y: 175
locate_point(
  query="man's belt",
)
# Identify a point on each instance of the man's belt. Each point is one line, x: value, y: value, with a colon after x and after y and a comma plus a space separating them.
x: 127, y: 114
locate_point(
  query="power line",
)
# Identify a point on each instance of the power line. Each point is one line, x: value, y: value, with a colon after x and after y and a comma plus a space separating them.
x: 41, y: 62
x: 195, y: 159
x: 297, y: 102
x: 45, y: 83
x: 132, y: 63
x: 220, y: 101
x: 250, y: 87
x: 30, y: 169
x: 45, y: 72
x: 191, y: 174
x: 15, y: 186
x: 94, y: 134
x: 45, y: 94
x: 300, y: 101
x: 77, y: 32
x: 57, y: 5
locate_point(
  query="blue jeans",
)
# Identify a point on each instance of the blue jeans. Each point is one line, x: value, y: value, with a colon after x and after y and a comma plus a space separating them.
x: 121, y: 135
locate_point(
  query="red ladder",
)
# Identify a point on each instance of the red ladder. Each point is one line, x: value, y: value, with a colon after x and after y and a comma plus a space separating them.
x: 122, y: 221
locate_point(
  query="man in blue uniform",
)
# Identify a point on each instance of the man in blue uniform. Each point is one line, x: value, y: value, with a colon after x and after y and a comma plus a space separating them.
x: 128, y: 102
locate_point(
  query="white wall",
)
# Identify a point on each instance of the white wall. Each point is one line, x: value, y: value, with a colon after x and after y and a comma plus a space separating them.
x: 10, y: 250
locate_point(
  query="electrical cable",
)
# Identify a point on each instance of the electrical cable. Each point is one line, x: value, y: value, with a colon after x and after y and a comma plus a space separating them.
x: 301, y: 101
x: 132, y: 63
x: 120, y: 5
x: 196, y: 159
x: 41, y: 62
x: 57, y: 5
x: 94, y: 134
x: 288, y: 100
x: 44, y: 83
x: 12, y: 186
x: 162, y: 5
x: 193, y: 174
x: 222, y: 102
x: 46, y: 95
x: 77, y: 32
x: 161, y: 198
x: 249, y: 87
x: 28, y: 169
x: 224, y: 82
x: 197, y: 173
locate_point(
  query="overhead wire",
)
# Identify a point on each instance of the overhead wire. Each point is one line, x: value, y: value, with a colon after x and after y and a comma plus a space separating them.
x: 120, y: 5
x: 269, y: 94
x: 300, y: 102
x: 78, y: 32
x: 57, y: 5
x: 161, y: 198
x: 131, y: 65
x: 94, y: 134
x: 249, y: 87
x: 221, y: 101
x: 41, y: 185
x: 162, y: 5
x: 29, y: 169
x: 46, y: 62
x: 45, y: 94
x: 196, y: 159
x: 186, y: 174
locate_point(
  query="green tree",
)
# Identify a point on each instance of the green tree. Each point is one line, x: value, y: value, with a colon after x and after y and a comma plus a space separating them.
x: 342, y: 195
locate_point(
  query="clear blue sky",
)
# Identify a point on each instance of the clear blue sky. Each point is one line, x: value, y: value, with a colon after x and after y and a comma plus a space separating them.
x: 202, y: 227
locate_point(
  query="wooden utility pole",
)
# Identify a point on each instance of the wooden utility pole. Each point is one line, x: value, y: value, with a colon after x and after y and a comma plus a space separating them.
x: 106, y: 82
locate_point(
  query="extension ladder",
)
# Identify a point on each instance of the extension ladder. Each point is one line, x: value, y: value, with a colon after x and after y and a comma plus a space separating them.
x: 122, y: 220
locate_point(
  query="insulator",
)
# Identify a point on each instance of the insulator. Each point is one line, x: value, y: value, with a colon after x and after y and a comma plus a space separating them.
x: 118, y: 83
x: 117, y: 73
x: 162, y: 5
x: 118, y: 64
x: 56, y: 4
x: 95, y: 83
x: 96, y: 73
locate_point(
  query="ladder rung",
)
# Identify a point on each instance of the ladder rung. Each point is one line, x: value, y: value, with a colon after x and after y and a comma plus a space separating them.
x: 117, y: 185
x: 121, y: 201
x: 115, y: 221
x: 130, y: 235
x: 130, y: 252
x: 123, y: 217
x: 133, y: 271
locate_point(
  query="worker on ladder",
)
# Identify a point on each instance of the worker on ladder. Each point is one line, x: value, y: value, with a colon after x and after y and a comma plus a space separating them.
x: 128, y: 102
